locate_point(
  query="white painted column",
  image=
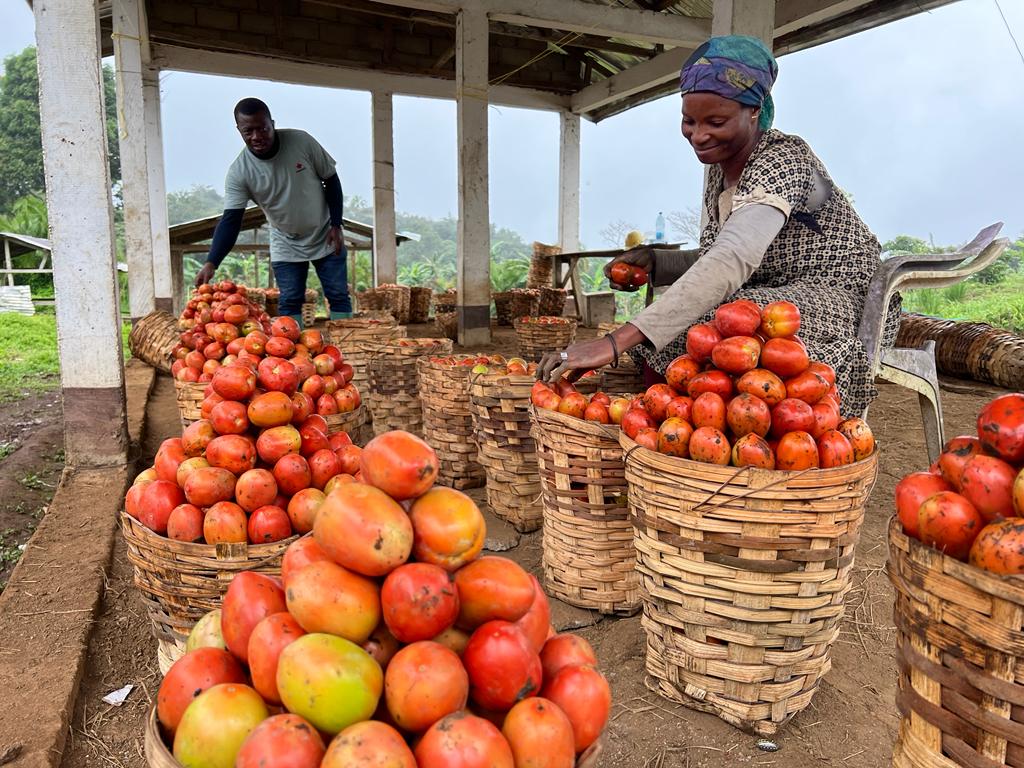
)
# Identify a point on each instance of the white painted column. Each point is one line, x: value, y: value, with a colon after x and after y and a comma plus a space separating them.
x: 81, y: 231
x: 473, y: 268
x: 131, y: 133
x: 166, y: 273
x: 744, y: 17
x: 385, y: 251
x: 569, y: 182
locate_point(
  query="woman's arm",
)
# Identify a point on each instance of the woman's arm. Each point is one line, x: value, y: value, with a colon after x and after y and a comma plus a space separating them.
x: 720, y: 272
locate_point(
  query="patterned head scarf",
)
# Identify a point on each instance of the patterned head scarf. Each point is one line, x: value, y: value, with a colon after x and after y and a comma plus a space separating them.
x: 735, y: 67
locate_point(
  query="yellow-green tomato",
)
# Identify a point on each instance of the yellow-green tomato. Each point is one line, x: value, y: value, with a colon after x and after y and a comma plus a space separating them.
x: 215, y: 724
x: 328, y: 680
x: 206, y: 633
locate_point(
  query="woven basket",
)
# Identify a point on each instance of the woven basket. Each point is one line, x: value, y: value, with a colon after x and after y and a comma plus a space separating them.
x: 444, y: 301
x: 508, y: 452
x: 959, y: 648
x: 1002, y: 362
x: 589, y: 559
x: 370, y: 299
x: 745, y: 573
x: 537, y: 338
x: 189, y: 395
x: 153, y: 339
x: 419, y: 304
x: 503, y: 307
x: 551, y: 301
x: 541, y: 265
x: 448, y: 423
x: 357, y: 338
x: 395, y: 299
x: 353, y: 422
x: 180, y: 581
x: 627, y: 377
x: 447, y: 324
x: 525, y: 302
x: 272, y: 305
x: 394, y: 392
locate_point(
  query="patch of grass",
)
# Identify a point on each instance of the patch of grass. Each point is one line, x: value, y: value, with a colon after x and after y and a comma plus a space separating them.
x: 34, y: 482
x: 28, y: 348
x: 10, y: 552
x: 999, y: 304
x: 6, y: 449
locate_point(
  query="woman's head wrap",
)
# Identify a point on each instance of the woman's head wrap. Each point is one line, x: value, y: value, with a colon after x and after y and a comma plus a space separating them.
x: 735, y: 67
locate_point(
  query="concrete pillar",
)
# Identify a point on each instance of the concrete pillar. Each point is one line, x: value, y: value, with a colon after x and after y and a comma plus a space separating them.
x: 473, y: 268
x: 81, y: 231
x: 134, y: 172
x: 170, y: 296
x: 385, y: 251
x: 569, y: 185
x: 744, y: 17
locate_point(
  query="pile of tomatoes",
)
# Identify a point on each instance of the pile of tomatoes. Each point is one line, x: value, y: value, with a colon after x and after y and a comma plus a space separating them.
x: 544, y: 320
x: 745, y: 393
x: 970, y: 502
x: 258, y: 464
x: 391, y: 637
x: 513, y: 366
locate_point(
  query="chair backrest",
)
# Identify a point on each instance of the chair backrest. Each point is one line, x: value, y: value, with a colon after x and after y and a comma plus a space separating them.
x: 922, y: 270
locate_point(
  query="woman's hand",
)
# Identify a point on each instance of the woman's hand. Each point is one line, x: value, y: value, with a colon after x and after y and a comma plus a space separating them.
x: 579, y: 358
x: 643, y: 257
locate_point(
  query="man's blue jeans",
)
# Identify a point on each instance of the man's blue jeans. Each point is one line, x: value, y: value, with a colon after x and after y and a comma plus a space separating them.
x: 332, y: 270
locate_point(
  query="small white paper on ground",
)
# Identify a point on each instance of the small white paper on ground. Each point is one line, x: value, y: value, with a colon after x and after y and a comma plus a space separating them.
x: 117, y: 697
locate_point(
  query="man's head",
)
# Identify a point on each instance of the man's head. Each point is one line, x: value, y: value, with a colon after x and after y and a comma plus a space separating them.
x: 252, y: 118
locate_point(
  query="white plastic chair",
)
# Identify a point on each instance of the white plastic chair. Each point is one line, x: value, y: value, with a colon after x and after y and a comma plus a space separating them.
x: 915, y: 368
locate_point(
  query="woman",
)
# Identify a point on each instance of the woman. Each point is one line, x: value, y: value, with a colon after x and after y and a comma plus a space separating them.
x: 777, y: 229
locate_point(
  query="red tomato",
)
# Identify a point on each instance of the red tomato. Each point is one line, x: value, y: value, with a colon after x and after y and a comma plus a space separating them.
x: 462, y: 740
x: 424, y: 682
x: 250, y: 598
x: 266, y: 642
x: 1000, y: 547
x: 954, y: 457
x: 1001, y: 427
x: 419, y: 601
x: 796, y: 450
x: 189, y: 676
x: 987, y: 482
x: 502, y: 666
x: 948, y: 522
x: 584, y: 695
x: 911, y: 492
x: 565, y: 650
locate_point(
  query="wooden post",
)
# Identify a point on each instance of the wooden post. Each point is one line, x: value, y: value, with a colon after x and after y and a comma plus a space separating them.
x: 744, y: 17
x: 81, y: 232
x: 168, y: 295
x: 385, y: 250
x: 473, y: 267
x: 7, y: 261
x: 131, y: 135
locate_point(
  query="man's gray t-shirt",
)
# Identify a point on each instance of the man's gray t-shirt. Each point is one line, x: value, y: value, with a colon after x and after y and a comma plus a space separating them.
x: 288, y: 188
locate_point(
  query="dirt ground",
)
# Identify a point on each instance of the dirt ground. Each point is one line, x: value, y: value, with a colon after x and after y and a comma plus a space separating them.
x: 31, y: 460
x: 851, y: 721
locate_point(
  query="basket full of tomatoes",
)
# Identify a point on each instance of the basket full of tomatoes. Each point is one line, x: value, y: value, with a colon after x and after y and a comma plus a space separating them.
x: 546, y: 333
x: 956, y: 560
x: 389, y: 640
x: 747, y: 494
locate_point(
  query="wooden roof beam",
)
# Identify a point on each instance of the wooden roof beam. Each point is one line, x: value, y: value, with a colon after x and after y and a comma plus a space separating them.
x: 639, y: 78
x: 580, y: 16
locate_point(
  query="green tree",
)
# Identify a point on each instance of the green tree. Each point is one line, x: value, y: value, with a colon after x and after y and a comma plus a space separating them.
x: 196, y: 202
x: 21, y: 150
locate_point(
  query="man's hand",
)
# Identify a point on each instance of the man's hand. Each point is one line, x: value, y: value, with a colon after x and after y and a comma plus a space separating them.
x: 205, y: 274
x: 335, y: 240
x: 579, y: 358
x: 641, y: 256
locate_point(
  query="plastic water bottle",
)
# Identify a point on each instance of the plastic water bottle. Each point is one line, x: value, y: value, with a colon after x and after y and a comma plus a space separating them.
x: 659, y: 228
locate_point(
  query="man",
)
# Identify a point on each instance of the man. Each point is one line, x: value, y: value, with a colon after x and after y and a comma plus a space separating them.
x: 292, y: 178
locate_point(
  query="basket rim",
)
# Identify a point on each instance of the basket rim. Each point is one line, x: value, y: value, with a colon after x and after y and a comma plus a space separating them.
x: 563, y: 321
x: 610, y: 431
x: 209, y: 551
x: 698, y: 468
x: 153, y: 740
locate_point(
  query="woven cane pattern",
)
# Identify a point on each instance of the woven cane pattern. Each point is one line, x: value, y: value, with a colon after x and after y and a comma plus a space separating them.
x: 537, y: 338
x: 448, y: 423
x: 394, y: 383
x: 589, y: 559
x: 745, y: 573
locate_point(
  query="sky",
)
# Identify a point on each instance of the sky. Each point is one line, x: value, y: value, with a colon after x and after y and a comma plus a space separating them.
x: 920, y: 120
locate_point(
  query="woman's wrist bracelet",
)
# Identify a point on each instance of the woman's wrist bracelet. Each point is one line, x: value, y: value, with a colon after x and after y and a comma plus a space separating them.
x: 615, y: 351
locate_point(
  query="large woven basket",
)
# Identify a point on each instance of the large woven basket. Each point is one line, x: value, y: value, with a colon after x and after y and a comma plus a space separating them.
x: 308, y: 314
x: 394, y: 388
x: 551, y: 301
x: 503, y: 307
x: 447, y: 324
x: 745, y: 573
x: 537, y: 338
x: 396, y: 300
x: 352, y: 422
x: 189, y: 396
x: 448, y: 423
x: 508, y: 452
x: 589, y: 559
x: 180, y: 581
x: 419, y: 304
x: 357, y: 338
x: 370, y: 300
x: 444, y: 301
x: 959, y: 649
x: 153, y: 339
x: 542, y: 265
x: 525, y: 302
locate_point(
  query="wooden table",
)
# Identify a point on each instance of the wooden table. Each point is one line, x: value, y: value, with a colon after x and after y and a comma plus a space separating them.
x: 571, y: 259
